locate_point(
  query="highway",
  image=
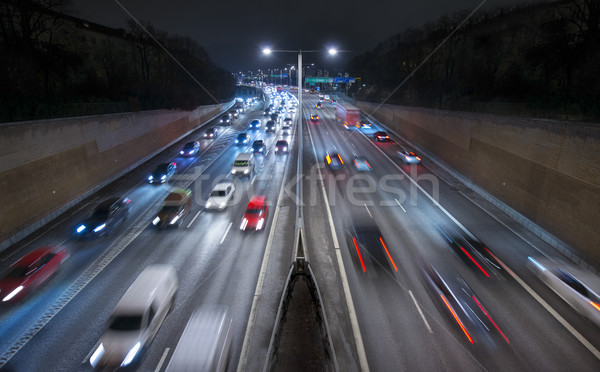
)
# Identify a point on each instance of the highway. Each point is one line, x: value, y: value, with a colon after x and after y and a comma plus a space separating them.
x: 382, y: 313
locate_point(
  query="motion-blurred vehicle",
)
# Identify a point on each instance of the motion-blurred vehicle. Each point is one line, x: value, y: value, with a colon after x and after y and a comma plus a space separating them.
x: 137, y: 317
x: 326, y: 97
x: 286, y: 130
x: 319, y: 105
x: 408, y: 157
x: 381, y: 136
x: 174, y: 209
x: 258, y: 146
x: 367, y: 247
x: 254, y: 124
x: 275, y: 117
x: 220, y: 196
x: 361, y: 164
x: 211, y: 133
x: 333, y: 100
x: 234, y: 113
x: 105, y: 218
x: 31, y: 271
x: 576, y: 286
x: 205, y: 342
x: 287, y: 121
x: 225, y: 119
x: 255, y: 215
x: 270, y: 126
x: 242, y: 139
x: 347, y: 114
x: 314, y: 117
x: 190, y: 149
x: 162, y: 173
x: 281, y: 147
x: 364, y: 124
x: 334, y: 161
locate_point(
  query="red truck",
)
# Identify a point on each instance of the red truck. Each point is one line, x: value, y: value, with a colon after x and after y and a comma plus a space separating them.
x: 348, y: 114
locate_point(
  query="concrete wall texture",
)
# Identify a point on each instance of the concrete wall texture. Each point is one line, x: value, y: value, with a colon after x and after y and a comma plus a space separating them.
x: 45, y: 165
x: 548, y: 171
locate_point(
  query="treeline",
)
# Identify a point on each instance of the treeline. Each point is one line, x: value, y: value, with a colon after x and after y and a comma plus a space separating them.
x: 56, y: 65
x: 539, y: 60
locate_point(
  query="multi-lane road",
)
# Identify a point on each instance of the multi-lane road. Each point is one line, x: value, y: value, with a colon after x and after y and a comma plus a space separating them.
x: 382, y: 314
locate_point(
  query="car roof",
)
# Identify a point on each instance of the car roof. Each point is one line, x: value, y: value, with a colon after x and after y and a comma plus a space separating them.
x: 257, y: 201
x: 244, y: 156
x: 136, y: 299
x: 33, y: 256
x: 106, y: 203
x: 222, y: 185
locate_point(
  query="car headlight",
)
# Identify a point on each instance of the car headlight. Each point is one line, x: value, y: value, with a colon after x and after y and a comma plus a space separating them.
x: 260, y: 223
x: 181, y: 152
x: 285, y: 149
x: 246, y: 171
x: 13, y: 293
x: 150, y: 178
x: 163, y: 177
x: 97, y: 355
x: 80, y: 229
x: 156, y: 221
x: 100, y: 228
x: 131, y: 354
x: 244, y: 224
x: 174, y: 220
x: 233, y: 171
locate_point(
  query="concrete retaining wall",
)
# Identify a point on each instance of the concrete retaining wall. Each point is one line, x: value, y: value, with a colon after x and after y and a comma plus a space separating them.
x: 47, y: 166
x: 548, y: 171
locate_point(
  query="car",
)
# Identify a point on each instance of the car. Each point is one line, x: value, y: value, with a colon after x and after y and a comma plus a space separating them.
x: 31, y: 271
x: 367, y: 246
x: 270, y: 126
x: 286, y: 130
x: 162, y: 173
x: 361, y: 164
x: 211, y: 133
x: 381, y: 137
x: 314, y: 117
x: 326, y: 97
x: 275, y: 117
x: 258, y: 146
x: 281, y: 147
x: 256, y: 213
x: 190, y: 149
x: 364, y: 124
x: 577, y: 287
x: 334, y: 161
x: 319, y: 105
x: 408, y: 157
x: 254, y: 124
x: 234, y: 113
x: 333, y: 100
x: 107, y: 215
x: 225, y: 119
x: 174, y: 209
x: 267, y: 111
x: 292, y: 110
x: 287, y: 121
x: 242, y: 139
x: 220, y: 196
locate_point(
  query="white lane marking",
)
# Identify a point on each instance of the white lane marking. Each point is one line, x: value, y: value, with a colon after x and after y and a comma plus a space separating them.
x: 162, y: 360
x: 420, y: 312
x: 226, y: 232
x: 193, y: 219
x: 400, y: 205
x: 368, y: 211
x: 360, y: 347
x: 261, y: 279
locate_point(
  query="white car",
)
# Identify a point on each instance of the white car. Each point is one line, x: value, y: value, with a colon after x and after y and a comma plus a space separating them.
x: 220, y: 196
x: 576, y: 286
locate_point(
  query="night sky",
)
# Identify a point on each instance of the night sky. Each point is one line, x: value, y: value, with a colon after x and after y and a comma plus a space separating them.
x: 234, y: 32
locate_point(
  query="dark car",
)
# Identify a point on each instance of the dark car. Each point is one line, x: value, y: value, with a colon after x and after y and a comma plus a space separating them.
x: 381, y: 137
x: 242, y: 139
x: 254, y: 124
x: 258, y: 146
x: 162, y: 173
x: 234, y: 113
x: 270, y: 126
x: 367, y: 247
x: 274, y: 117
x: 225, y: 120
x: 334, y: 161
x: 211, y: 133
x: 314, y: 117
x: 174, y: 209
x: 30, y: 271
x: 281, y: 147
x: 106, y: 216
x: 190, y: 149
x: 319, y: 105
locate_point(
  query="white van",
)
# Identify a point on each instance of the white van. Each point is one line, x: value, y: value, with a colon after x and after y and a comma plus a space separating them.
x: 243, y: 165
x: 205, y: 342
x: 137, y: 317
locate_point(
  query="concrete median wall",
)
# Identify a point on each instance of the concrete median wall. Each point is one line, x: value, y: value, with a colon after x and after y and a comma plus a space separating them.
x: 47, y: 166
x: 547, y: 170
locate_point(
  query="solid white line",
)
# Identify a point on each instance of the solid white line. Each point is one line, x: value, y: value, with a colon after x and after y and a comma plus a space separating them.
x: 400, y: 205
x: 193, y: 219
x: 226, y: 232
x: 368, y: 211
x: 420, y: 312
x: 162, y: 360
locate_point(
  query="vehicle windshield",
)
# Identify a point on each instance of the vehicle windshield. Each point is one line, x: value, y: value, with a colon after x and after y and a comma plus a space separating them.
x: 218, y: 193
x: 125, y: 323
x: 18, y: 272
x: 240, y: 163
x: 254, y: 211
x: 170, y: 209
x: 100, y: 213
x: 188, y: 146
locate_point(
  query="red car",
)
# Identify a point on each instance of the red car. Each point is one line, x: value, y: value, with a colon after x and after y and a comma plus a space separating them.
x: 31, y: 271
x: 255, y: 215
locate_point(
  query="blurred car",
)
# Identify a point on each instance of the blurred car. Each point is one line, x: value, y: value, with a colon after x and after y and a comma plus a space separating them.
x: 319, y: 105
x: 281, y: 147
x: 267, y: 111
x: 361, y: 164
x: 409, y: 157
x: 364, y: 124
x: 234, y: 113
x: 254, y: 124
x: 326, y: 97
x: 220, y: 196
x: 334, y: 161
x: 190, y: 149
x: 225, y: 119
x: 31, y: 271
x: 174, y: 209
x: 314, y: 117
x: 275, y: 117
x: 381, y: 137
x: 270, y: 126
x: 258, y: 146
x: 211, y: 133
x: 162, y: 173
x: 286, y: 130
x: 577, y: 287
x: 287, y: 121
x: 333, y: 100
x: 255, y: 215
x: 106, y: 216
x: 242, y: 139
x: 367, y: 247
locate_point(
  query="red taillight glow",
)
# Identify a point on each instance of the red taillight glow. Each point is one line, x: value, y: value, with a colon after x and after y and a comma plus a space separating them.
x: 457, y: 319
x: 476, y: 263
x: 359, y: 255
x: 491, y: 320
x: 597, y: 306
x: 388, y: 253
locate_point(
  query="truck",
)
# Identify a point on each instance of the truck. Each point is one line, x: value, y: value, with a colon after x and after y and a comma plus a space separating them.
x: 348, y: 115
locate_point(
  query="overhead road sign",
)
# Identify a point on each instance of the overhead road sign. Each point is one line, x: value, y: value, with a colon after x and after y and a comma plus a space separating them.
x: 344, y: 80
x: 313, y: 80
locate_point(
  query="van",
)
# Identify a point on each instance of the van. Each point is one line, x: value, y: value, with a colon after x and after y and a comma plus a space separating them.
x: 137, y: 317
x: 205, y: 342
x: 243, y: 165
